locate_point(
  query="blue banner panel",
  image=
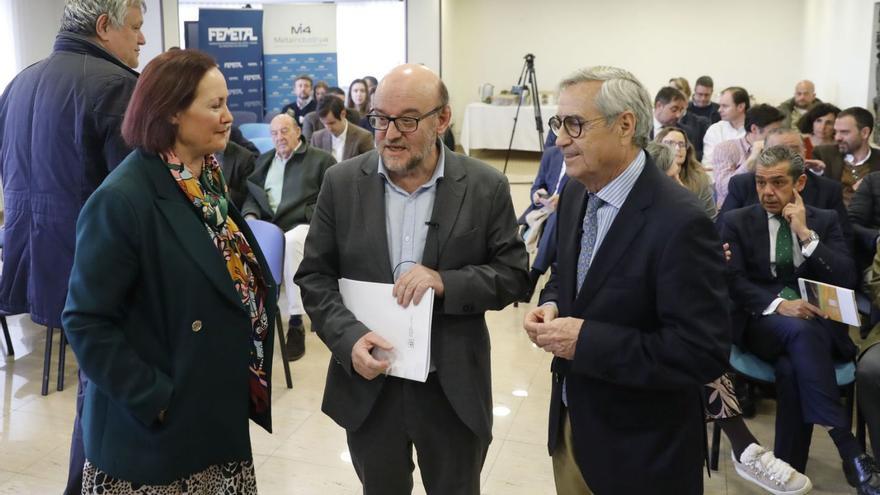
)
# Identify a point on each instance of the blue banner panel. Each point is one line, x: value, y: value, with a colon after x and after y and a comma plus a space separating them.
x: 281, y: 70
x: 234, y: 39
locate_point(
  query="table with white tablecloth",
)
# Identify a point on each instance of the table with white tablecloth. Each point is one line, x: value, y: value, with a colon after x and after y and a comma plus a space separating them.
x: 488, y: 127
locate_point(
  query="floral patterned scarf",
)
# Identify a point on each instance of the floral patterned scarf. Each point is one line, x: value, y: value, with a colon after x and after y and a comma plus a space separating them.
x: 208, y: 194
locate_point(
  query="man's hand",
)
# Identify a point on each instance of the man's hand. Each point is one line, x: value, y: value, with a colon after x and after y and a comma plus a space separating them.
x: 559, y: 336
x: 728, y: 254
x: 799, y: 309
x: 537, y: 316
x: 539, y: 195
x: 412, y: 285
x: 796, y: 215
x: 817, y: 166
x: 363, y: 362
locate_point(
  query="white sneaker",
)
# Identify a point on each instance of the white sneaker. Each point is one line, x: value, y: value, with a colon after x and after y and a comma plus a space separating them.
x: 776, y: 476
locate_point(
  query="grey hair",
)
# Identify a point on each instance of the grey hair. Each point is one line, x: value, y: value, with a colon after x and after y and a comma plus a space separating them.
x: 662, y: 155
x: 620, y: 92
x: 80, y: 16
x: 775, y: 155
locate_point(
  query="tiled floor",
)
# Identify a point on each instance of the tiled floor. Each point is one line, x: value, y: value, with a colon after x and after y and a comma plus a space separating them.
x: 307, y: 454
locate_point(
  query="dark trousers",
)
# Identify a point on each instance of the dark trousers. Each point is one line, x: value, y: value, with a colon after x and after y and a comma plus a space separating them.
x: 806, y: 387
x: 868, y: 385
x: 410, y: 414
x: 77, y: 451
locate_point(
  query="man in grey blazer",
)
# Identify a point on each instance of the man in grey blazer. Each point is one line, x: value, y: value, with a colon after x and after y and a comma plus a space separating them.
x: 416, y: 215
x: 338, y: 137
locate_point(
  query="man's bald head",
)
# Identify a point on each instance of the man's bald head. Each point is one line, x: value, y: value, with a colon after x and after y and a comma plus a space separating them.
x: 413, y: 98
x: 804, y: 94
x: 285, y: 134
x: 413, y: 79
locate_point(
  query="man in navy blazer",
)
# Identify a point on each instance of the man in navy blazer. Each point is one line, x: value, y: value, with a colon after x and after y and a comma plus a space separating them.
x: 773, y: 244
x: 819, y: 192
x: 635, y: 309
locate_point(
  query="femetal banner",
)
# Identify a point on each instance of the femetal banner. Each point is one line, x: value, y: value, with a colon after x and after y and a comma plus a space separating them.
x: 298, y: 39
x: 234, y: 39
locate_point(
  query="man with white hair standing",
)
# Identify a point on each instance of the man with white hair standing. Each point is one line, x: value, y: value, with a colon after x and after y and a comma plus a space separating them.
x: 59, y: 138
x: 635, y: 309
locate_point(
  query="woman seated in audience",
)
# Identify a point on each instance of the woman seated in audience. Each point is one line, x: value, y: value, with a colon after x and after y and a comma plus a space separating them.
x: 817, y: 126
x: 170, y: 305
x: 685, y: 168
x: 751, y: 461
x: 682, y: 85
x: 358, y: 97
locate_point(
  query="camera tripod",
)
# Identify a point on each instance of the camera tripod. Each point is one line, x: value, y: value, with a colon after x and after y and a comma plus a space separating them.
x: 527, y: 82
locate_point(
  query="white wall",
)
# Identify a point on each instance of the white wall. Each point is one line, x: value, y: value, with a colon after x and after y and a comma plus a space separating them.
x: 423, y: 33
x: 35, y: 25
x: 758, y: 44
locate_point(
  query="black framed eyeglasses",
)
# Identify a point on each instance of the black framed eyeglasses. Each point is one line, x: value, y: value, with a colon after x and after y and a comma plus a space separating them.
x: 403, y: 124
x: 574, y: 126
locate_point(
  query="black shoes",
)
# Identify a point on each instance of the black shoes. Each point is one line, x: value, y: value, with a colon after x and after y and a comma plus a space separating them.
x: 863, y: 473
x: 296, y: 339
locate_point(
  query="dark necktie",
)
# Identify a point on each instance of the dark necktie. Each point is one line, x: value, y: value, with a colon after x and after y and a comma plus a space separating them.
x: 785, y: 260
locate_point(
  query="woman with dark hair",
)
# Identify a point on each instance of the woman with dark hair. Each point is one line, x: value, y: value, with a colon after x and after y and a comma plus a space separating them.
x: 817, y: 126
x: 170, y: 300
x: 358, y: 96
x: 685, y: 168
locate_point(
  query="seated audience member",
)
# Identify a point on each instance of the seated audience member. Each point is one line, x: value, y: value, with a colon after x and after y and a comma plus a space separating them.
x: 372, y: 82
x: 237, y: 163
x: 772, y: 244
x: 338, y: 137
x: 685, y: 168
x: 817, y: 126
x: 545, y: 191
x: 733, y: 105
x: 868, y: 367
x: 752, y: 461
x: 321, y: 88
x: 851, y: 158
x: 284, y: 190
x: 304, y: 103
x: 795, y: 107
x: 682, y: 85
x: 864, y: 213
x: 669, y: 106
x: 818, y: 192
x: 311, y: 122
x: 701, y: 102
x: 359, y: 97
x: 730, y: 157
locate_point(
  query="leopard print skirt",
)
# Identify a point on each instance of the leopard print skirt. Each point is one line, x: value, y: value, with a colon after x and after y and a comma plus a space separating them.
x: 233, y: 478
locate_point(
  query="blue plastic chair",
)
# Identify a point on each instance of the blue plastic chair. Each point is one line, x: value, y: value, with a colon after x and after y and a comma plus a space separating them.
x: 269, y: 116
x: 244, y: 117
x: 263, y: 144
x: 271, y: 241
x: 752, y: 368
x: 255, y: 130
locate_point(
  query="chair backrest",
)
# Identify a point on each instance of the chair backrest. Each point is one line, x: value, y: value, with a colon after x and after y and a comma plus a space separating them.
x: 263, y: 144
x: 269, y: 116
x: 255, y: 130
x: 271, y: 241
x: 244, y: 117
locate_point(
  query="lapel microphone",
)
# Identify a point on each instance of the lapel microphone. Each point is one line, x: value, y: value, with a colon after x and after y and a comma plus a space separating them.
x: 433, y: 225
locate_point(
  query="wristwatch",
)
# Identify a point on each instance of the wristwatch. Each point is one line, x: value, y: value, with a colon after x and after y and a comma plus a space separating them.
x: 813, y: 237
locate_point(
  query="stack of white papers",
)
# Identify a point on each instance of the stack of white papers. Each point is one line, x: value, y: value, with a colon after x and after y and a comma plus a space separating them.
x: 407, y: 329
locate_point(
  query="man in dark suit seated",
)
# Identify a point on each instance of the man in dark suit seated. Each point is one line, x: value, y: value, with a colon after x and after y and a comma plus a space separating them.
x: 864, y: 212
x: 237, y: 163
x: 669, y: 106
x: 284, y: 190
x: 305, y: 102
x: 634, y: 309
x: 339, y: 137
x: 819, y: 191
x: 772, y: 244
x: 852, y: 158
